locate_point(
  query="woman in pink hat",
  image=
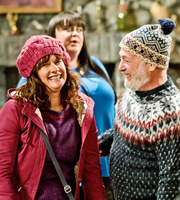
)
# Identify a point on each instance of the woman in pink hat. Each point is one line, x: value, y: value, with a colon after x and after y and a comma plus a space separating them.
x: 51, y: 102
x: 69, y: 27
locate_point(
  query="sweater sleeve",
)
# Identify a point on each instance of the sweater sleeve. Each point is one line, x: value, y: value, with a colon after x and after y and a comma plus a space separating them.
x: 9, y: 134
x: 105, y: 140
x: 168, y: 155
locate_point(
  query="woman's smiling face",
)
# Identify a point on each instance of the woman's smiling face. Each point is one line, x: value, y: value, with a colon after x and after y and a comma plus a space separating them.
x: 53, y: 74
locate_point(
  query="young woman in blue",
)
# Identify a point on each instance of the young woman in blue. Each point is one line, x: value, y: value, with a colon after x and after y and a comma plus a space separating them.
x: 95, y: 82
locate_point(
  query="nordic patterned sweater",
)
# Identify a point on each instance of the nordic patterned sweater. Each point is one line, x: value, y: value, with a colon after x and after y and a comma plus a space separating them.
x: 144, y: 145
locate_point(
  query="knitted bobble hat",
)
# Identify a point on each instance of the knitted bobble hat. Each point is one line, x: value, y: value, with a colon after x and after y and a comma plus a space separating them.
x: 35, y: 48
x: 151, y: 43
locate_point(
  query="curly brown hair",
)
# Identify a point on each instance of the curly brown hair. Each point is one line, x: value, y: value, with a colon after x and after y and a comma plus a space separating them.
x: 33, y: 89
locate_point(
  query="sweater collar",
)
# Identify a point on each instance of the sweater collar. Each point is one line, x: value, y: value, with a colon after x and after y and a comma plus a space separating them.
x: 155, y: 90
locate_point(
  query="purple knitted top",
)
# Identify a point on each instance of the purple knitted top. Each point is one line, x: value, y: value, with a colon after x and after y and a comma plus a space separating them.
x: 65, y: 138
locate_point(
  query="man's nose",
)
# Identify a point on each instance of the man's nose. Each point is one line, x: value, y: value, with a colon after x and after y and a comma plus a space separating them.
x: 121, y: 67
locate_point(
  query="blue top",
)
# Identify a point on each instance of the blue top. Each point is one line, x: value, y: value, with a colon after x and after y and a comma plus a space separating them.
x: 104, y: 109
x: 22, y: 81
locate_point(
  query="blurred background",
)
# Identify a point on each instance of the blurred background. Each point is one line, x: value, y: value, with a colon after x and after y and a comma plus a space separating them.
x: 107, y: 21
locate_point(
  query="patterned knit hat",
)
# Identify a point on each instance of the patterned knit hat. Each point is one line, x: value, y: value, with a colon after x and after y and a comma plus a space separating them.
x: 35, y: 48
x: 151, y: 43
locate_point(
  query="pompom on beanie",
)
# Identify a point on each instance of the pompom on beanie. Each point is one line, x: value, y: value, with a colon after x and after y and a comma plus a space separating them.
x: 151, y: 43
x: 35, y: 48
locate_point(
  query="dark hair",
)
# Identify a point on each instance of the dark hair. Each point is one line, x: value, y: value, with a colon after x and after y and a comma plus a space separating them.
x: 72, y: 18
x: 34, y: 90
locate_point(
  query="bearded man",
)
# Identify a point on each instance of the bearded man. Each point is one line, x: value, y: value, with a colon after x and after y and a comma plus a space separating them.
x: 144, y: 144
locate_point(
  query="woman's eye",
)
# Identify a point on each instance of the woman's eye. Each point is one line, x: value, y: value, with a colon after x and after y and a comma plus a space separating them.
x: 59, y: 61
x: 69, y: 28
x: 79, y: 29
x: 44, y: 65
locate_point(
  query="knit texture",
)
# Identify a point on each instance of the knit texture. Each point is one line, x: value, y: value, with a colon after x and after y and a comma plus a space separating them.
x: 151, y: 42
x: 145, y: 152
x: 35, y: 48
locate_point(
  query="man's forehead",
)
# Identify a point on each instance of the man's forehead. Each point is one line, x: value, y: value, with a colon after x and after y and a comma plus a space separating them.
x: 125, y: 52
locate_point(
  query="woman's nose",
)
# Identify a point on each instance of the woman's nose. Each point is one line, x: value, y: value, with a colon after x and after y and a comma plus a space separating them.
x: 55, y: 67
x: 74, y: 31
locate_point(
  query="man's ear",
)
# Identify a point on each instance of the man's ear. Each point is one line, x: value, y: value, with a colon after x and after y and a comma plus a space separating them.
x: 151, y: 67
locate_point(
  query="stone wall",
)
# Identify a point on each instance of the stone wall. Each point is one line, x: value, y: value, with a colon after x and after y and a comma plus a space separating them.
x: 102, y: 38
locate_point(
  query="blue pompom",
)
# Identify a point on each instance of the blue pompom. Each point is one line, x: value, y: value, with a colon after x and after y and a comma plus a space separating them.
x: 167, y: 25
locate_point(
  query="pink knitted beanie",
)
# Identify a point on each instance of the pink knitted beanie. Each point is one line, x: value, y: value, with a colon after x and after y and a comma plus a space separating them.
x: 37, y: 47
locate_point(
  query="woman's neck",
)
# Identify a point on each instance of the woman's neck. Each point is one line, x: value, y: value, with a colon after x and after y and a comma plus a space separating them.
x: 56, y: 103
x: 74, y: 62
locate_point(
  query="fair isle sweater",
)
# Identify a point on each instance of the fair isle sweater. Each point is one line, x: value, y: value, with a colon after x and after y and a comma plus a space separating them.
x: 145, y: 145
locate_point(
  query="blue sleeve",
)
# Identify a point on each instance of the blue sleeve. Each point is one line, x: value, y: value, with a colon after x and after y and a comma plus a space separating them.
x: 22, y: 81
x: 99, y: 63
